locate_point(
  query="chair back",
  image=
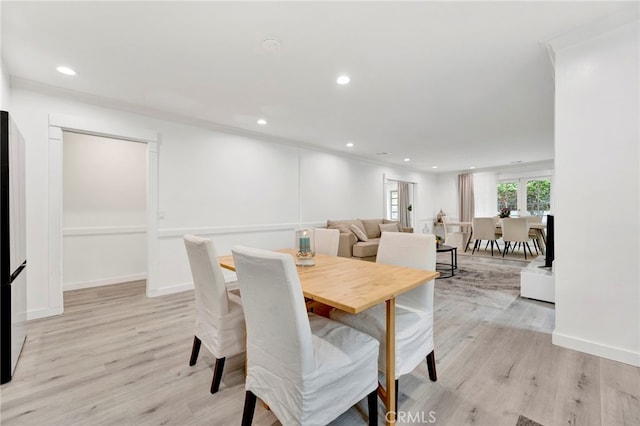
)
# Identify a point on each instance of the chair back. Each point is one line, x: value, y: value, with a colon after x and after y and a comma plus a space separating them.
x: 447, y: 229
x: 484, y: 228
x: 413, y: 251
x: 533, y: 219
x: 212, y: 301
x: 278, y: 330
x: 326, y: 241
x: 515, y: 229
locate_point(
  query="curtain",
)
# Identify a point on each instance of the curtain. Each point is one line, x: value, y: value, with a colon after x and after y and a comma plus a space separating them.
x: 403, y: 203
x: 465, y: 197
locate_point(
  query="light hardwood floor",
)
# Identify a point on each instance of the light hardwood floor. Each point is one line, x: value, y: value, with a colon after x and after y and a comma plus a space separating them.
x: 118, y: 358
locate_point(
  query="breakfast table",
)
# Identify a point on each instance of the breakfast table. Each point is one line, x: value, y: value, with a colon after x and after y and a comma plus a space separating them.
x: 353, y: 286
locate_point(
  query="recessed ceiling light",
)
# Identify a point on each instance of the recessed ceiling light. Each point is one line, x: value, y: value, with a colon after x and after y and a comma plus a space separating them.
x: 343, y: 79
x: 271, y: 45
x: 350, y: 144
x: 407, y: 159
x: 434, y: 167
x: 65, y: 70
x: 472, y: 167
x: 261, y: 121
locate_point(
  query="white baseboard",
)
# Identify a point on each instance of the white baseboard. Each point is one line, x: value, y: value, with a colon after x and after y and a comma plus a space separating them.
x: 597, y: 349
x: 162, y: 291
x: 105, y: 281
x: 43, y: 313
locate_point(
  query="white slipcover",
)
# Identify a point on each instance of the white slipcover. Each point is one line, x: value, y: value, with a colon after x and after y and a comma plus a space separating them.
x: 326, y: 241
x: 414, y: 309
x: 307, y: 368
x: 219, y: 316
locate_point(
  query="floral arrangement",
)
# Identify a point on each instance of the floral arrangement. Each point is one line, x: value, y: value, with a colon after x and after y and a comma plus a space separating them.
x: 504, y: 212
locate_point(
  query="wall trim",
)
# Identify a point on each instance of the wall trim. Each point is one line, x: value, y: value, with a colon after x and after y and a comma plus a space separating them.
x: 105, y: 281
x: 597, y: 349
x: 165, y: 233
x: 34, y: 314
x: 104, y: 230
x: 163, y: 291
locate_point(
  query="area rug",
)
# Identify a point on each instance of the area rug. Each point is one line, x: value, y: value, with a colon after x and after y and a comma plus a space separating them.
x: 482, y: 252
x: 481, y: 282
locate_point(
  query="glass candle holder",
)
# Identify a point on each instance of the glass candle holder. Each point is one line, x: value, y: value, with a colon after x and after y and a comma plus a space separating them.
x: 305, y: 255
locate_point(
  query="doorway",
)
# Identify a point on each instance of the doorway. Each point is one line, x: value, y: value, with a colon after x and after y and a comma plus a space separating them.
x: 399, y: 197
x: 104, y: 211
x: 111, y: 128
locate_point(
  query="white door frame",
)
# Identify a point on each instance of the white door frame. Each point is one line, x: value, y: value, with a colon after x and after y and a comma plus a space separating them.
x: 98, y: 127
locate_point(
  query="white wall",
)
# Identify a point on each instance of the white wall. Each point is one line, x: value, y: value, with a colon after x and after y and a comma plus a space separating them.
x: 236, y: 189
x: 104, y: 211
x: 597, y: 248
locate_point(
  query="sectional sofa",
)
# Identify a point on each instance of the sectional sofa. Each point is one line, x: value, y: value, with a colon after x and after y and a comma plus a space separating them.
x: 359, y: 238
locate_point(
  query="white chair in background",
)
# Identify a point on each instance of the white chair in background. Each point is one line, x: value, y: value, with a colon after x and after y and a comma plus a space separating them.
x: 484, y: 228
x: 453, y: 237
x: 326, y: 241
x: 414, y: 309
x: 515, y: 233
x: 219, y: 317
x: 533, y: 234
x: 307, y: 368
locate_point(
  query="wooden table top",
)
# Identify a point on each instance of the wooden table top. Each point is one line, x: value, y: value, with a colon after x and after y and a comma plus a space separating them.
x: 532, y: 225
x: 352, y: 285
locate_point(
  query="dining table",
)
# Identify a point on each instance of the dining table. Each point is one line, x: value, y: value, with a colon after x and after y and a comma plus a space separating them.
x: 537, y: 227
x: 353, y: 286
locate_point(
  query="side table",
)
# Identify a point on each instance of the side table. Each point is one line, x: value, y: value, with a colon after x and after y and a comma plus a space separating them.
x: 451, y: 267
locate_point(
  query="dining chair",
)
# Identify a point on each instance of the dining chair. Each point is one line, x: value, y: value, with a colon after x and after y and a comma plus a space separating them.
x: 515, y: 233
x: 326, y: 241
x: 484, y: 228
x: 533, y: 234
x: 219, y: 317
x: 414, y: 309
x: 452, y: 237
x: 306, y: 368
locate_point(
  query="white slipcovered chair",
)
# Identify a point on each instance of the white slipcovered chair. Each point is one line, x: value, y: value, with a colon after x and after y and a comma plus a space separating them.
x: 515, y: 233
x: 307, y: 368
x: 484, y: 228
x: 326, y: 241
x: 414, y: 309
x: 219, y: 317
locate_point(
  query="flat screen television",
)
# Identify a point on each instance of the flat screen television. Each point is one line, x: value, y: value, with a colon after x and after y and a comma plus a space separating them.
x: 549, y: 254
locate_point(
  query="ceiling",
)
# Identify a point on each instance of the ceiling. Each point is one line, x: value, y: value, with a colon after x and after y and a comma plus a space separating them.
x: 447, y: 84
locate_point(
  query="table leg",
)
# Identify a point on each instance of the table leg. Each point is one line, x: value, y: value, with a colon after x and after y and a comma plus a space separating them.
x: 390, y: 415
x: 541, y: 240
x: 466, y: 246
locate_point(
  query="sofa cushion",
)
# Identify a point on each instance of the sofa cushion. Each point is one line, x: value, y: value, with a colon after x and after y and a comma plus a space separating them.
x: 362, y: 236
x: 366, y: 248
x: 372, y: 227
x: 389, y: 227
x: 335, y: 224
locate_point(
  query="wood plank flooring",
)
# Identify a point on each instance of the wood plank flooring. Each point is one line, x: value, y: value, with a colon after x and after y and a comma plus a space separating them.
x: 118, y: 358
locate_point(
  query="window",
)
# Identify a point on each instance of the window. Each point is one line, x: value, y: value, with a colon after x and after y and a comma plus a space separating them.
x: 393, y: 199
x: 527, y: 196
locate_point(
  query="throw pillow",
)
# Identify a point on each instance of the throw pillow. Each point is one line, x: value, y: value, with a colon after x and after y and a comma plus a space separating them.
x: 389, y: 227
x: 359, y: 233
x: 343, y: 229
